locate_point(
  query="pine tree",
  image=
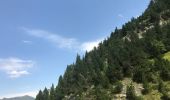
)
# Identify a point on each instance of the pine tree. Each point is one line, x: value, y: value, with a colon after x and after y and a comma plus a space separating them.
x: 52, y: 93
x: 39, y: 96
x: 46, y: 94
x: 59, y: 94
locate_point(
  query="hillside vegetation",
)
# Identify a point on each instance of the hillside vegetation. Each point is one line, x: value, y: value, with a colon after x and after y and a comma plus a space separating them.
x: 166, y: 56
x: 132, y: 64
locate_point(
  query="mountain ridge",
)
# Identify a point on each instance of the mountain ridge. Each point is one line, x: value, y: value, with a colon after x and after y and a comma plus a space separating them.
x: 125, y: 57
x: 19, y: 98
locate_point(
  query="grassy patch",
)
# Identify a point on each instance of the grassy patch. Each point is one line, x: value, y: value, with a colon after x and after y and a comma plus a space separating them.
x: 166, y: 56
x: 153, y: 95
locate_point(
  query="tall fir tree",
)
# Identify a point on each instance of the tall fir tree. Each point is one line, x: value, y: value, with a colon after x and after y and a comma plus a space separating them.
x: 52, y: 92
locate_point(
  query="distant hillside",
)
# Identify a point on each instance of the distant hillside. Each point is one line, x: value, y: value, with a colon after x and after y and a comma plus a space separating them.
x: 19, y: 98
x: 132, y: 64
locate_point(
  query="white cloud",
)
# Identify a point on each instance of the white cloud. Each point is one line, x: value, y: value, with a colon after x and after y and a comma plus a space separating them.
x: 15, y: 73
x: 27, y: 41
x: 120, y: 15
x: 15, y: 67
x: 136, y: 16
x: 56, y: 39
x: 88, y: 46
x: 30, y: 93
x: 62, y: 42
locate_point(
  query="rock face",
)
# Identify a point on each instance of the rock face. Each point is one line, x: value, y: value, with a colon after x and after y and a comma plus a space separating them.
x: 19, y: 98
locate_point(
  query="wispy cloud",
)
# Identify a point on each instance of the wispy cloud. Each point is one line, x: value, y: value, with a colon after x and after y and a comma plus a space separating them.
x: 120, y: 16
x: 27, y: 41
x: 15, y: 67
x: 62, y: 42
x: 29, y: 93
x: 56, y: 39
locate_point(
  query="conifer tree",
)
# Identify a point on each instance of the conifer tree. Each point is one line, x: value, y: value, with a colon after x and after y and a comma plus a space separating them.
x: 46, y: 94
x: 52, y: 93
x: 39, y: 96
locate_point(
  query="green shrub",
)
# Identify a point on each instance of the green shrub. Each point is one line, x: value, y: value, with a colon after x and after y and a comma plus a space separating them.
x: 118, y: 87
x: 130, y: 93
x: 146, y: 87
x: 165, y: 96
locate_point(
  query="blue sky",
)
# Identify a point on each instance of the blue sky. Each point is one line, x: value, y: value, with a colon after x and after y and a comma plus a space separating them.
x: 39, y: 38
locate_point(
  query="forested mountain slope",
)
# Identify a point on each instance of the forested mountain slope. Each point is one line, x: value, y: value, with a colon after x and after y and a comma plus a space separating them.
x: 133, y: 63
